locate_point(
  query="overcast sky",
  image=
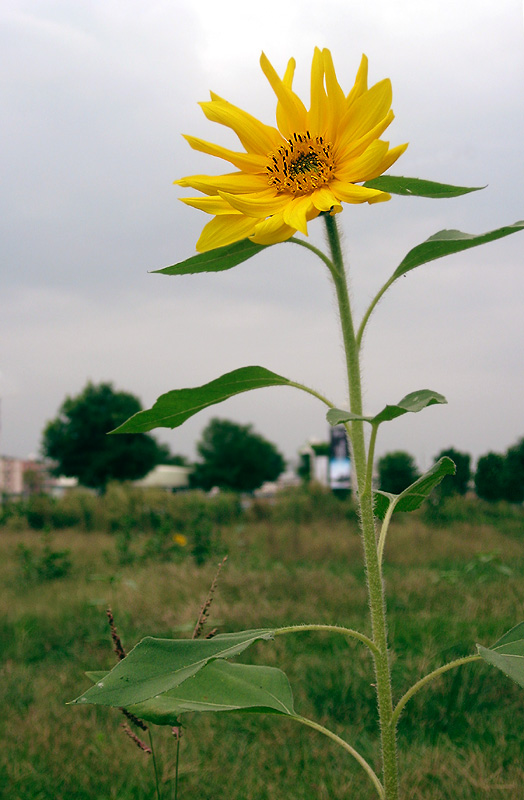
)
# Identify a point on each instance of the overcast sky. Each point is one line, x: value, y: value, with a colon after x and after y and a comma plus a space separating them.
x: 95, y: 96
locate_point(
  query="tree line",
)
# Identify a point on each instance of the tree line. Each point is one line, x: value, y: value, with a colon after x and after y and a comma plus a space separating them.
x: 498, y: 476
x: 233, y: 456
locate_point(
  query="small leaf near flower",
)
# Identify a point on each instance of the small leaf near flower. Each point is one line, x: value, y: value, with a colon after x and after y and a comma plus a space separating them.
x: 417, y: 187
x: 412, y: 402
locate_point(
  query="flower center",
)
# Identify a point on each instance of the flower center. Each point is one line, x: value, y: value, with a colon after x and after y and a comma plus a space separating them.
x: 301, y: 165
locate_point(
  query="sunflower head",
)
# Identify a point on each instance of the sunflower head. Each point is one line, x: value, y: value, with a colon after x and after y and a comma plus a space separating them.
x: 311, y: 162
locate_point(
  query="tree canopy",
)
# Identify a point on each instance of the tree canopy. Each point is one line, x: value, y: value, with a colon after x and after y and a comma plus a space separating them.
x: 235, y: 457
x: 457, y: 483
x: 397, y: 471
x: 77, y: 438
x: 501, y: 477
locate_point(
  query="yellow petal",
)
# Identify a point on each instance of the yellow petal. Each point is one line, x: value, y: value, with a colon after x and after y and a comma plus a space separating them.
x: 235, y: 182
x: 272, y: 231
x: 258, y: 204
x: 343, y: 154
x: 244, y: 161
x: 254, y: 135
x: 361, y: 82
x: 289, y: 74
x: 336, y: 100
x: 366, y: 112
x: 366, y: 165
x: 324, y: 200
x: 349, y: 193
x: 392, y: 156
x: 317, y: 114
x: 381, y: 198
x: 222, y: 231
x: 211, y: 205
x: 291, y: 112
x: 298, y: 211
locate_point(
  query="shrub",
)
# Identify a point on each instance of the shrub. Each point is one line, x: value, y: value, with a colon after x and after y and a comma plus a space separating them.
x: 44, y: 563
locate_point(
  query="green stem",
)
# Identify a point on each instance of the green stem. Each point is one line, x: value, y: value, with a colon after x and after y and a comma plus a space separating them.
x: 426, y: 679
x: 155, y: 768
x: 356, y: 755
x: 314, y: 250
x: 371, y: 308
x: 348, y: 632
x: 176, y: 766
x: 365, y: 498
x: 312, y: 392
x: 384, y: 531
x: 371, y: 457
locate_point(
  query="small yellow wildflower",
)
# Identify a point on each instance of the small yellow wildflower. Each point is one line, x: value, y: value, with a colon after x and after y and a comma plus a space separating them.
x: 311, y: 163
x: 180, y: 539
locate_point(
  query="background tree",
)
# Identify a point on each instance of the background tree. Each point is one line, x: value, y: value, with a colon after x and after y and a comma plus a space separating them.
x: 396, y: 471
x: 77, y: 439
x: 235, y: 457
x: 489, y: 477
x: 513, y: 473
x: 457, y: 483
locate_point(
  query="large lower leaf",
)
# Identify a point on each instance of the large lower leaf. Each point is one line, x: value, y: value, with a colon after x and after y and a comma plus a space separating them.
x: 507, y: 654
x: 444, y: 243
x: 221, y: 686
x: 416, y: 187
x: 156, y: 666
x: 413, y: 497
x: 215, y: 260
x: 412, y: 402
x: 173, y: 408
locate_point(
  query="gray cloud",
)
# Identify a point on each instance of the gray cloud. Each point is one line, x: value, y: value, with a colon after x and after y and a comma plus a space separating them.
x: 95, y: 97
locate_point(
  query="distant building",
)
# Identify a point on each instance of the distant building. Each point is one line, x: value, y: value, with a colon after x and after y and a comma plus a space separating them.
x: 11, y: 475
x: 20, y: 477
x: 165, y: 476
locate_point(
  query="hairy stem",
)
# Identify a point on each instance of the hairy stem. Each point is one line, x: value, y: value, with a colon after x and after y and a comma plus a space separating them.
x: 356, y: 755
x: 426, y: 679
x: 371, y: 308
x: 348, y: 632
x: 384, y: 531
x: 365, y: 500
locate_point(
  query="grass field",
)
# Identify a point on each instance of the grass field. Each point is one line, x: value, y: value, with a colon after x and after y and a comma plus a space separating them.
x: 448, y: 588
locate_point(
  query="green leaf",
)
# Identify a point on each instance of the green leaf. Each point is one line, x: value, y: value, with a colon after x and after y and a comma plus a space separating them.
x: 507, y: 654
x: 444, y: 243
x: 173, y: 408
x: 416, y: 187
x: 215, y: 260
x: 221, y: 686
x: 155, y: 666
x: 413, y: 497
x: 412, y: 403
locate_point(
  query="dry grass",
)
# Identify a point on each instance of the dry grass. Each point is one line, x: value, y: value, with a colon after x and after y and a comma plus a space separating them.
x: 461, y: 740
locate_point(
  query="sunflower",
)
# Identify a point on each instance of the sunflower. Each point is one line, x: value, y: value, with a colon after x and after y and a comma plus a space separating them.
x: 311, y: 163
